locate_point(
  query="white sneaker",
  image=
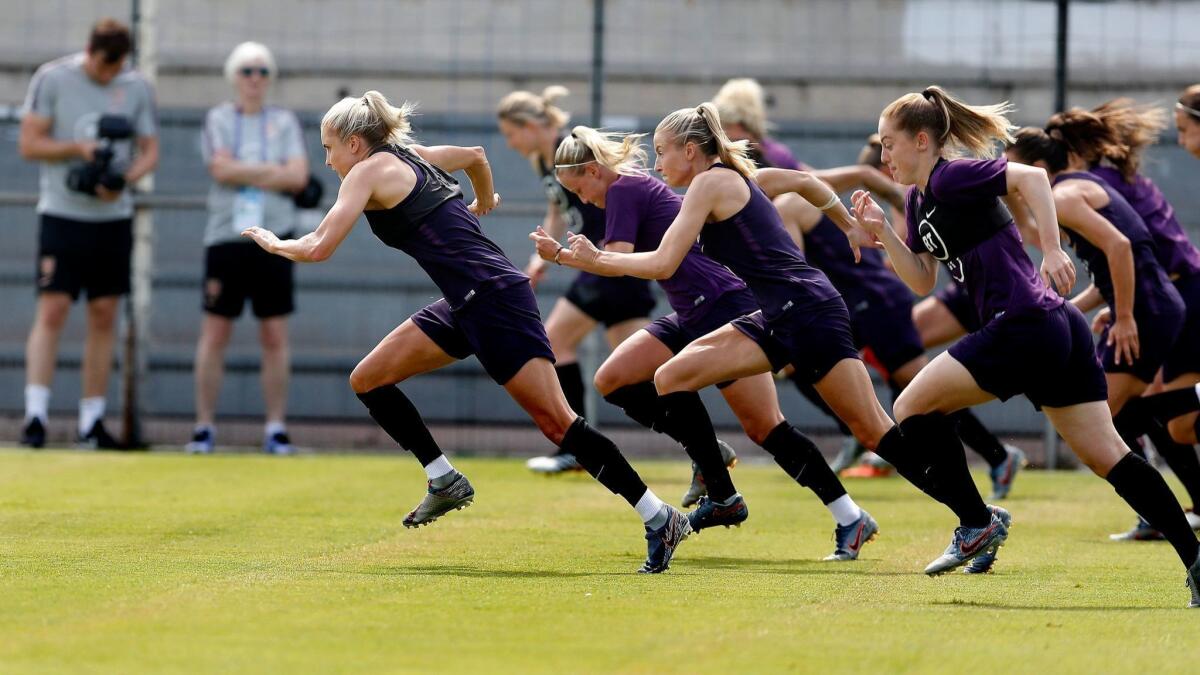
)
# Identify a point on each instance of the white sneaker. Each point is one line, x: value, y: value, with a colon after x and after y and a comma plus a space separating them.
x: 552, y: 464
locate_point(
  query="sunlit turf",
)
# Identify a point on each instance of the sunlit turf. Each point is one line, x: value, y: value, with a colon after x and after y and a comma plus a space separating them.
x: 170, y: 563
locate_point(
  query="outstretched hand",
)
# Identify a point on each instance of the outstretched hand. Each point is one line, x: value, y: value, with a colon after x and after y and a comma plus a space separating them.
x: 263, y: 237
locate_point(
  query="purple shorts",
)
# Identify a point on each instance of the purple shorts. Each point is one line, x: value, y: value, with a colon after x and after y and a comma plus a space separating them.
x: 888, y: 331
x: 611, y: 300
x: 677, y: 334
x: 956, y: 299
x: 503, y: 329
x: 1047, y: 356
x: 1157, y: 337
x: 1184, y: 357
x: 812, y: 339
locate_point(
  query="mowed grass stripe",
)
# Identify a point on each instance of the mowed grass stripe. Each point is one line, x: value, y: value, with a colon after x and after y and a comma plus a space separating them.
x: 167, y: 563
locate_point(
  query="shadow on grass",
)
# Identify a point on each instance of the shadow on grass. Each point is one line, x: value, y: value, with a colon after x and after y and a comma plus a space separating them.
x: 1048, y: 608
x: 472, y: 572
x: 778, y: 566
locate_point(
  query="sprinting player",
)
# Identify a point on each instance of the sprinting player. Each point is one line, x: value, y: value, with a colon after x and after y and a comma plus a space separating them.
x: 534, y: 126
x: 1031, y: 341
x: 608, y: 171
x: 802, y: 320
x: 1146, y: 313
x: 1138, y: 127
x: 414, y: 205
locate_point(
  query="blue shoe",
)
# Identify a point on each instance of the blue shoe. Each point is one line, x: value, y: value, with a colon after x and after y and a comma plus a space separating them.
x: 969, y: 543
x: 202, y: 443
x: 1003, y: 475
x: 662, y: 542
x: 851, y: 538
x: 710, y: 514
x: 983, y: 564
x: 1193, y: 583
x: 278, y: 443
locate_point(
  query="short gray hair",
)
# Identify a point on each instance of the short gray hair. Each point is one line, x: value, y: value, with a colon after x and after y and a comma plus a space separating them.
x: 248, y: 52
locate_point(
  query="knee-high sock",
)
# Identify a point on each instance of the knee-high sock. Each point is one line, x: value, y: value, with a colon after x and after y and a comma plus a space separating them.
x: 974, y: 434
x: 600, y: 457
x: 397, y: 415
x: 1181, y: 458
x: 686, y: 420
x: 799, y: 458
x: 1144, y: 489
x: 640, y: 402
x: 931, y: 457
x: 570, y: 378
x: 808, y: 391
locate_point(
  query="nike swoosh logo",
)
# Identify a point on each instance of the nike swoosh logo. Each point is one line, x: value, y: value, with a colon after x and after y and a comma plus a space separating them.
x: 927, y: 215
x: 858, y: 537
x: 970, y: 547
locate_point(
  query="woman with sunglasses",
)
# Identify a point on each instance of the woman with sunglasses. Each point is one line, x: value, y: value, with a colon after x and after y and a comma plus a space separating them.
x: 255, y: 154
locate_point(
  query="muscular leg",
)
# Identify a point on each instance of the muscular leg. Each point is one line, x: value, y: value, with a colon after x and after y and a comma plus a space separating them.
x: 97, y: 359
x: 209, y: 368
x: 566, y: 327
x: 276, y: 368
x: 41, y: 351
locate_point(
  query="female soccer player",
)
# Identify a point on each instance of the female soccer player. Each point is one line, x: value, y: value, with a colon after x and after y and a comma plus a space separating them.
x: 533, y: 126
x: 488, y: 309
x: 1187, y: 120
x: 1031, y: 341
x: 609, y: 171
x: 802, y: 320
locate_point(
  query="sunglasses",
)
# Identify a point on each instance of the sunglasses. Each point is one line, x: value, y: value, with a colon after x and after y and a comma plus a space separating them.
x: 261, y: 72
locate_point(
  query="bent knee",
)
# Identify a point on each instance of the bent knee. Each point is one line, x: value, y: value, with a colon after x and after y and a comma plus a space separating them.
x: 608, y: 379
x: 1183, y: 429
x: 553, y: 425
x: 364, y: 378
x: 669, y: 378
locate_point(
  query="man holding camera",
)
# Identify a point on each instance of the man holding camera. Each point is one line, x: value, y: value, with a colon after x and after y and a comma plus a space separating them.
x: 90, y: 121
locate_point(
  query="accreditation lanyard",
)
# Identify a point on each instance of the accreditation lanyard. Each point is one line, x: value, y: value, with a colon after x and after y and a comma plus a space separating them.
x: 248, y: 204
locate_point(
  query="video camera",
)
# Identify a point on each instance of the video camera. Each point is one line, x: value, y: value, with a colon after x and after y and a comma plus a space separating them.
x: 99, y: 171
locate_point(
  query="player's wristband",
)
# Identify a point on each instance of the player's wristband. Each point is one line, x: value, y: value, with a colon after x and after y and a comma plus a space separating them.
x: 833, y: 201
x: 557, y: 253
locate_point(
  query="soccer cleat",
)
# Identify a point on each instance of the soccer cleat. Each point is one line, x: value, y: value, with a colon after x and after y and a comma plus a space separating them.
x: 552, y: 464
x: 851, y: 538
x: 278, y: 443
x: 1139, y: 532
x: 662, y: 542
x: 983, y: 564
x: 98, y: 438
x: 438, y: 502
x: 710, y: 514
x: 1193, y: 583
x: 1003, y: 475
x: 1193, y: 519
x: 203, y: 440
x: 969, y: 543
x: 849, y: 453
x: 34, y: 433
x: 698, y: 489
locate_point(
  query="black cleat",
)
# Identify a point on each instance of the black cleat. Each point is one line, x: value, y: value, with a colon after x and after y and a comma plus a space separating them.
x: 710, y: 514
x: 98, y: 438
x: 34, y: 434
x: 661, y: 543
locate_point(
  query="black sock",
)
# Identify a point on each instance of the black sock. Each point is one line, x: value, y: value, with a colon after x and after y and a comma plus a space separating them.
x: 1168, y: 405
x: 686, y: 420
x: 1181, y: 458
x: 909, y: 464
x: 808, y: 391
x: 397, y: 415
x: 974, y: 434
x: 570, y: 378
x: 948, y: 474
x: 601, y: 458
x: 639, y: 401
x: 798, y: 456
x: 1144, y: 489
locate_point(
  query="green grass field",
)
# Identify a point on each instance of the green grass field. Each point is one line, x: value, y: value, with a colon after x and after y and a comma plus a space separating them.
x: 168, y: 563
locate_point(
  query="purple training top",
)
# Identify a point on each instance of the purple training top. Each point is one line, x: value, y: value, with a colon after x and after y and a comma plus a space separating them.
x: 1175, y: 253
x: 1150, y: 280
x: 638, y: 210
x: 776, y: 155
x: 960, y: 220
x: 826, y: 248
x: 756, y: 246
x: 432, y: 224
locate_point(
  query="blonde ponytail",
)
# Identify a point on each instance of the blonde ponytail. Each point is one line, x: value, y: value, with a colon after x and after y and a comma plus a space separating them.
x: 741, y: 101
x: 702, y: 125
x: 372, y: 118
x: 953, y: 124
x: 523, y: 107
x: 619, y: 152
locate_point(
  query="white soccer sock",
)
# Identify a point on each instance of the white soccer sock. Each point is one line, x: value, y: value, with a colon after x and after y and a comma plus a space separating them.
x: 438, y: 468
x: 649, y: 506
x: 37, y: 402
x: 90, y: 410
x: 844, y: 510
x: 273, y: 428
